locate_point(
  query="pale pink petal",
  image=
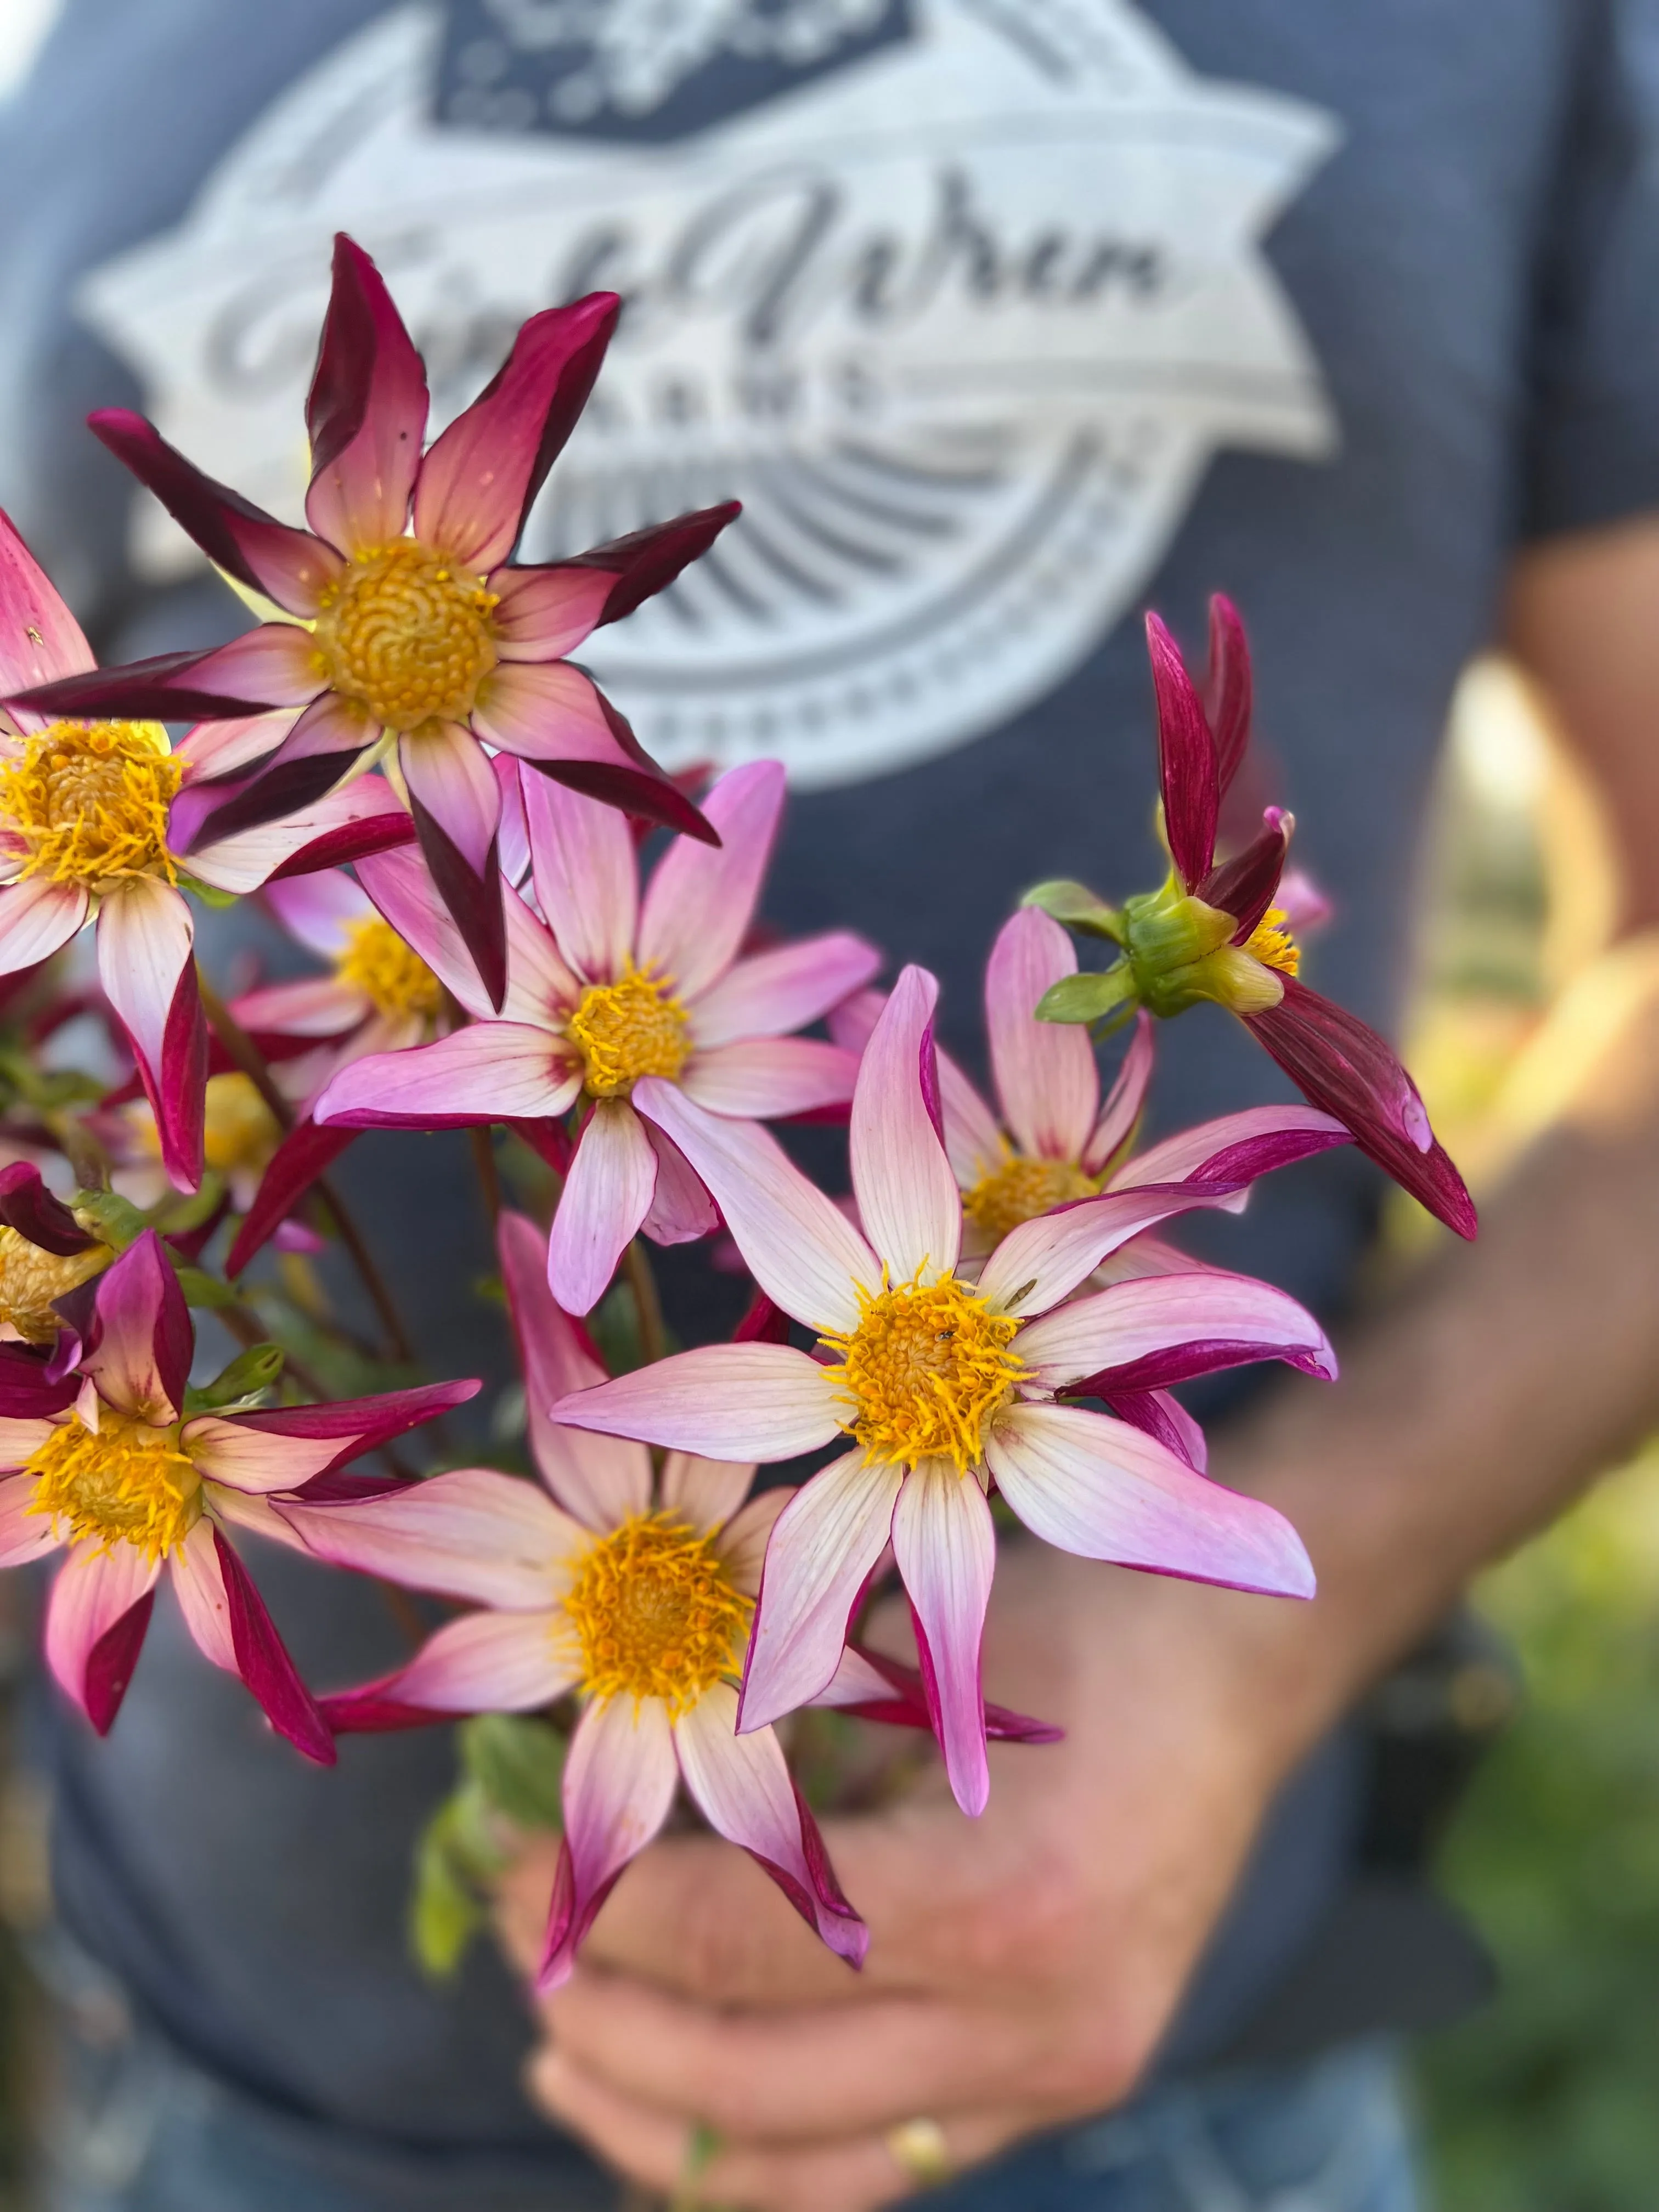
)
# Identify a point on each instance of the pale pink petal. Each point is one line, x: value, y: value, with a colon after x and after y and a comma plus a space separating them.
x: 220, y: 749
x: 1146, y: 1256
x: 276, y: 664
x: 144, y: 942
x: 546, y: 710
x: 973, y: 1143
x: 24, y: 1533
x: 704, y: 1492
x: 799, y: 1246
x: 742, y: 1787
x: 1039, y: 1263
x: 742, y: 1543
x: 763, y: 1078
x: 1100, y: 1488
x: 401, y: 886
x: 601, y: 1479
x: 515, y: 830
x: 243, y: 861
x: 492, y: 1071
x: 586, y: 875
x: 487, y: 1662
x: 853, y: 1023
x: 1121, y: 1116
x: 470, y: 1534
x: 539, y: 985
x: 605, y: 1197
x: 908, y: 1196
x: 681, y: 1210
x: 318, y: 1006
x: 198, y: 1583
x: 21, y: 1439
x: 256, y: 1459
x: 771, y: 994
x: 619, y: 1783
x: 824, y: 1548
x: 93, y: 1592
x: 945, y: 1549
x: 40, y: 638
x: 36, y: 918
x: 448, y: 775
x: 366, y: 411
x: 1235, y: 1148
x: 235, y: 1508
x: 542, y: 614
x: 1136, y: 1326
x: 1045, y: 1072
x: 737, y: 1401
x: 701, y: 898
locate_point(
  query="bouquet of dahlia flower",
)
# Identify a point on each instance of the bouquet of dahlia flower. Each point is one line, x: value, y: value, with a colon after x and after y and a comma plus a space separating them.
x: 448, y: 815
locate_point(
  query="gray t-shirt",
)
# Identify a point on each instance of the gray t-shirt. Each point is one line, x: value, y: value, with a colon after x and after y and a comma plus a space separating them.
x: 1005, y: 316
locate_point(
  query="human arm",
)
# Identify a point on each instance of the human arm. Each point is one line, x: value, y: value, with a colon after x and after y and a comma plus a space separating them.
x: 1023, y: 1968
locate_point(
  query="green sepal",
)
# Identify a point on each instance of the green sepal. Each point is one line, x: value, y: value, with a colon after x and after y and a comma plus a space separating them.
x: 209, y: 894
x: 519, y: 1764
x: 106, y: 1215
x: 1078, y: 906
x: 242, y: 1384
x: 1087, y: 998
x: 201, y: 1288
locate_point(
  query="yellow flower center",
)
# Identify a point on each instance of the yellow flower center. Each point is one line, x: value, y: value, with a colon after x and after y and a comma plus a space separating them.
x: 390, y: 974
x: 241, y: 1130
x: 927, y: 1369
x: 628, y: 1029
x: 655, y: 1613
x: 130, y: 1484
x: 1271, y: 942
x: 30, y: 1279
x: 89, y: 802
x: 409, y: 633
x: 1020, y: 1190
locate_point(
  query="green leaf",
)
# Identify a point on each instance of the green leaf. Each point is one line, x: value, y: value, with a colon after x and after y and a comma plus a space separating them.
x: 519, y: 1764
x: 202, y: 1290
x: 209, y: 894
x: 445, y: 1910
x: 1078, y: 906
x: 1086, y: 998
x: 248, y: 1376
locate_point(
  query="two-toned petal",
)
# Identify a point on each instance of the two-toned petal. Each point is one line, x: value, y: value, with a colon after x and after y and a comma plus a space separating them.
x: 619, y: 1783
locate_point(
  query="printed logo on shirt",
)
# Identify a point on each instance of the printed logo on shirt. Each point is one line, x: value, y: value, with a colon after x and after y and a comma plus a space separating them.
x: 961, y: 320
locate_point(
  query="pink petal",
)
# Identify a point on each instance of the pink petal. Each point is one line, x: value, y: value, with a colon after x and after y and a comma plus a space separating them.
x: 704, y: 1492
x: 701, y: 898
x: 221, y: 748
x: 244, y: 861
x: 542, y: 614
x: 289, y: 566
x: 21, y: 1437
x: 605, y: 1197
x: 142, y: 1340
x: 945, y: 1549
x: 1045, y: 1072
x: 275, y: 665
x: 1234, y: 1148
x: 25, y: 1535
x: 145, y: 937
x: 799, y: 1246
x: 477, y: 482
x: 355, y: 1424
x: 618, y: 1784
x: 1106, y: 1491
x: 366, y: 411
x: 1146, y: 1256
x: 586, y: 878
x: 737, y: 1401
x: 973, y: 1143
x: 598, y: 1479
x: 1041, y: 1261
x: 448, y: 775
x: 1186, y: 760
x: 40, y: 638
x: 484, y: 1663
x: 548, y: 711
x: 1165, y: 1329
x: 763, y: 1078
x: 824, y: 1548
x: 199, y: 1586
x: 473, y: 1534
x: 1121, y: 1116
x: 773, y: 993
x: 96, y: 1594
x: 907, y: 1193
x: 318, y: 1006
x: 1227, y: 688
x: 492, y: 1071
x: 645, y: 562
x: 263, y: 1661
x: 1165, y: 1418
x: 681, y: 1210
x: 401, y: 886
x: 742, y: 1787
x: 227, y: 1451
x: 742, y: 1543
x: 37, y: 918
x: 853, y: 1023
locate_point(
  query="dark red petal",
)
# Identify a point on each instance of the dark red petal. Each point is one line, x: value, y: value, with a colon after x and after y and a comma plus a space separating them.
x: 548, y: 1140
x: 1182, y: 1363
x: 351, y: 841
x: 28, y: 1389
x: 110, y: 1661
x: 262, y: 1660
x: 647, y: 560
x: 274, y: 793
x: 1340, y: 1064
x: 907, y: 1706
x: 362, y: 1422
x: 763, y: 1323
x: 28, y: 1206
x: 178, y: 1099
x: 152, y: 689
x: 305, y: 1153
x: 1244, y: 886
x: 1186, y: 760
x: 1146, y: 1410
x: 364, y: 1712
x: 1227, y: 689
x: 475, y: 901
x: 644, y: 792
x: 367, y: 365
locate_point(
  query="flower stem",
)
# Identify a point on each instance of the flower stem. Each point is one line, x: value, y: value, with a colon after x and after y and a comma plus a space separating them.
x: 489, y: 1181
x: 647, y: 1304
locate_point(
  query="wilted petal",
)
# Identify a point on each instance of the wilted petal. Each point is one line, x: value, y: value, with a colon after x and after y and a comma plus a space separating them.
x: 618, y: 1784
x: 737, y: 1401
x: 473, y: 1534
x: 907, y: 1193
x: 700, y: 900
x: 1045, y: 1072
x: 945, y: 1549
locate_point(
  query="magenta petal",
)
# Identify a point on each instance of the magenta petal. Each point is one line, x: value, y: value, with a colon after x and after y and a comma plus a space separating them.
x: 1186, y: 760
x: 1230, y: 1152
x: 264, y: 1665
x: 681, y: 1210
x: 96, y: 1616
x: 143, y: 1339
x: 33, y: 1389
x: 945, y: 1546
x: 619, y: 1783
x: 1227, y: 689
x: 28, y: 1206
x: 1163, y: 1417
x: 449, y: 822
x: 1158, y: 1330
x: 289, y: 566
x: 1346, y: 1069
x: 1244, y: 886
x: 360, y: 1423
x: 478, y: 481
x: 870, y: 1686
x: 366, y: 411
x: 111, y: 1663
x: 647, y: 560
x: 40, y: 638
x: 305, y: 1153
x: 1120, y: 1116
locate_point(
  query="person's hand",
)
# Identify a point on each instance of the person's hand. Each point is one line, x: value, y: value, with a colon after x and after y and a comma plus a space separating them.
x: 1023, y: 1968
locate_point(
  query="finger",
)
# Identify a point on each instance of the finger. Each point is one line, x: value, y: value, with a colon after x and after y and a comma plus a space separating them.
x: 655, y: 2150
x: 792, y: 2076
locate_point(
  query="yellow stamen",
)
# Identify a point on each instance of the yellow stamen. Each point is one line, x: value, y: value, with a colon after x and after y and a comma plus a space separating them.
x: 30, y: 1279
x: 628, y: 1029
x: 409, y: 633
x: 128, y: 1484
x: 1271, y: 942
x: 1021, y: 1189
x: 927, y: 1369
x: 390, y: 974
x: 655, y: 1613
x: 89, y: 802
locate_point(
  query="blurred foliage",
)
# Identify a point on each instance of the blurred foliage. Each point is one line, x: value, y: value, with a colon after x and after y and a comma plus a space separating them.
x: 511, y: 1769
